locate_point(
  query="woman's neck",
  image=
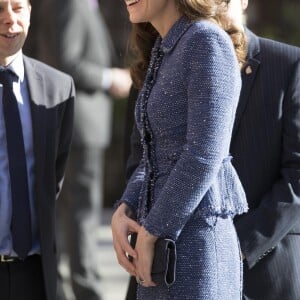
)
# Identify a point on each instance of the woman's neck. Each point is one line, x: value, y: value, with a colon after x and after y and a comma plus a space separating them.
x: 164, y: 23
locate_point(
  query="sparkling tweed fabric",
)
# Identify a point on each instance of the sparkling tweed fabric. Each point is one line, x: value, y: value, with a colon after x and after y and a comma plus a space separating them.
x: 185, y: 187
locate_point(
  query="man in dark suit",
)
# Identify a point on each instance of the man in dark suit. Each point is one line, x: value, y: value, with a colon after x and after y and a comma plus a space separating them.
x: 266, y: 154
x: 71, y: 35
x: 36, y: 114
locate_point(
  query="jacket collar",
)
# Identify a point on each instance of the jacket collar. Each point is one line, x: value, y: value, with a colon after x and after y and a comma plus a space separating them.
x: 253, y: 44
x: 175, y: 33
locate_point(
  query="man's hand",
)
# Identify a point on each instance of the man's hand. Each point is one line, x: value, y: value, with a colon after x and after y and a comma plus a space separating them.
x: 121, y: 83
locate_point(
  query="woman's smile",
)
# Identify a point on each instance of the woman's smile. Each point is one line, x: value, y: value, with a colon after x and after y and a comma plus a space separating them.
x: 131, y: 2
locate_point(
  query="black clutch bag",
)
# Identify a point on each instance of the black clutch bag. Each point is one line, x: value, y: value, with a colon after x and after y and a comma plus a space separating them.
x: 164, y: 262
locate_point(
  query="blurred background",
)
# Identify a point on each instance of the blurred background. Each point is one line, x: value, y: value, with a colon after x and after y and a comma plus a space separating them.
x: 276, y: 19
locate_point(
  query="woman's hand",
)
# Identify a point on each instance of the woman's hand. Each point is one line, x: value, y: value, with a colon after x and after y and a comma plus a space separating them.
x: 145, y: 252
x: 122, y: 226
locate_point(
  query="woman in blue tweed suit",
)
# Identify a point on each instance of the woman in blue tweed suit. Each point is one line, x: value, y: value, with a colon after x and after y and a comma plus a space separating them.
x: 185, y: 187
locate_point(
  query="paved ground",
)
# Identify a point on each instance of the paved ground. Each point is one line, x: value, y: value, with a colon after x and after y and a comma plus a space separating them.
x: 115, y: 280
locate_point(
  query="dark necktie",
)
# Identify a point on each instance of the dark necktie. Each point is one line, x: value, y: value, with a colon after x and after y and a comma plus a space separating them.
x: 21, y: 221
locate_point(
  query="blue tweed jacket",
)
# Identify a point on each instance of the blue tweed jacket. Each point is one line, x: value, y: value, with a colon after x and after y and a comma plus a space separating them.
x: 185, y: 115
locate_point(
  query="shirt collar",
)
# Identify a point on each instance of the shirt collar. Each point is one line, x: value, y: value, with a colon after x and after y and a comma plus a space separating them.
x: 175, y: 33
x: 17, y: 66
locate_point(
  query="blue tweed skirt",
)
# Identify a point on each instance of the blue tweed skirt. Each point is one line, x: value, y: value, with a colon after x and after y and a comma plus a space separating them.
x: 209, y: 265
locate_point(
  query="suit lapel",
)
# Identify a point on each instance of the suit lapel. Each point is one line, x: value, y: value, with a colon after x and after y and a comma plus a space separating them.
x: 248, y: 75
x: 38, y: 114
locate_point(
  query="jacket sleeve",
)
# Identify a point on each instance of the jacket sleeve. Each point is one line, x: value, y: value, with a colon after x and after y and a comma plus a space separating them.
x: 213, y: 84
x: 281, y: 205
x: 133, y: 188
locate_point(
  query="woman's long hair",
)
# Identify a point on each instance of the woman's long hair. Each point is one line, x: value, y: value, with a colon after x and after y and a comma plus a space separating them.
x: 144, y: 34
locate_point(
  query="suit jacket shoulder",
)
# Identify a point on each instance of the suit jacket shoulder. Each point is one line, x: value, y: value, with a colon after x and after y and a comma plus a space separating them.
x: 269, y: 50
x: 47, y: 84
x: 47, y: 71
x: 279, y: 49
